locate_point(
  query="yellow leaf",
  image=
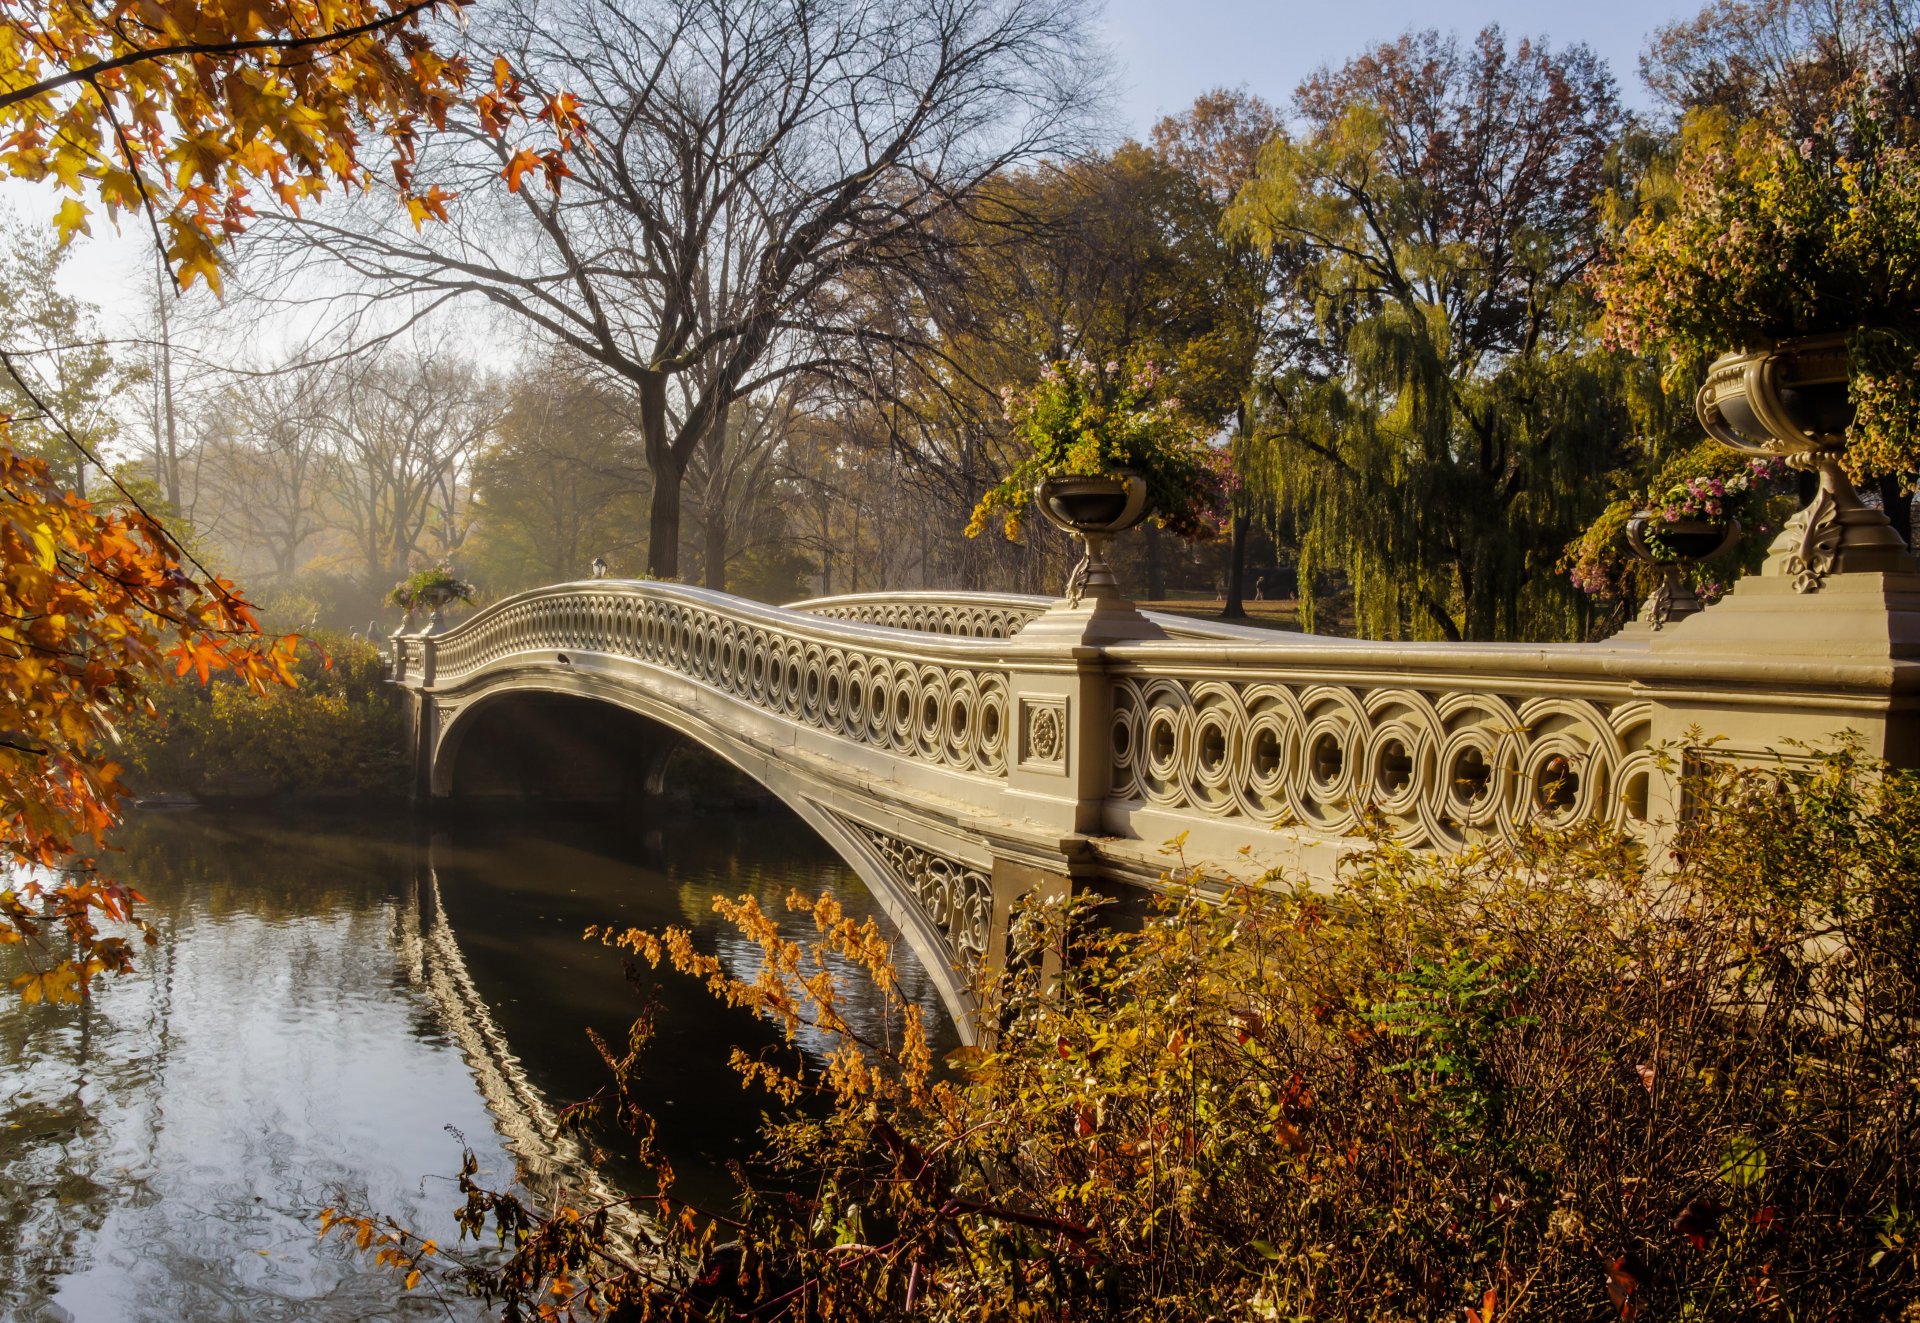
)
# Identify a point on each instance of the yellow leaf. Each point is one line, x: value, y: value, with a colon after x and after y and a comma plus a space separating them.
x: 70, y: 220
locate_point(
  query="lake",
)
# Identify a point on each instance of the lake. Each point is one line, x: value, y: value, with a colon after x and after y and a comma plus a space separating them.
x: 335, y: 1001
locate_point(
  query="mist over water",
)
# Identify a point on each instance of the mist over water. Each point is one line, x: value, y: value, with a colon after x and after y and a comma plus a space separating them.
x: 328, y: 995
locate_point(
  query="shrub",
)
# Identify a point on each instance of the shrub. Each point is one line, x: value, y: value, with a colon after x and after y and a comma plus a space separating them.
x: 1546, y: 1080
x: 341, y: 729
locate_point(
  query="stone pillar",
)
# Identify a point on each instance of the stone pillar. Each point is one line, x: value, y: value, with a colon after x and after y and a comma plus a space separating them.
x: 1772, y: 668
x: 423, y: 729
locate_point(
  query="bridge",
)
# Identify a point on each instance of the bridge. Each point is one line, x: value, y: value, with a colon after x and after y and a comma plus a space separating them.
x: 963, y: 750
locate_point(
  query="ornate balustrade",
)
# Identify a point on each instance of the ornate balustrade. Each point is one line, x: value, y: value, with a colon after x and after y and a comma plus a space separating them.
x: 961, y: 615
x: 1446, y: 743
x: 938, y: 701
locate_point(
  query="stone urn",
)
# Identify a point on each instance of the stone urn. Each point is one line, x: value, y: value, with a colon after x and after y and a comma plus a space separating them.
x: 1092, y: 508
x: 1686, y: 542
x: 1789, y: 401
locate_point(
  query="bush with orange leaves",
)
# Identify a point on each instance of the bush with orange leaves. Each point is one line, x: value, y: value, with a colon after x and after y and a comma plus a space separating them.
x: 1545, y: 1080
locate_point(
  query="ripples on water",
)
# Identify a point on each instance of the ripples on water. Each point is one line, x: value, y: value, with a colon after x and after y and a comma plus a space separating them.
x: 320, y: 1007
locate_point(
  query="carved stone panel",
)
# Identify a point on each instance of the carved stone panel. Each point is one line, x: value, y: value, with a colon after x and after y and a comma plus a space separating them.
x: 957, y: 899
x: 1043, y: 734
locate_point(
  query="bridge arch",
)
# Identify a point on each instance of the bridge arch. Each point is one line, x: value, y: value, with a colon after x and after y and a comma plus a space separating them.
x: 611, y: 742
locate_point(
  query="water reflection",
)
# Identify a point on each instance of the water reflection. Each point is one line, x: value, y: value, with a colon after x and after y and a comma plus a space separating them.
x: 326, y: 998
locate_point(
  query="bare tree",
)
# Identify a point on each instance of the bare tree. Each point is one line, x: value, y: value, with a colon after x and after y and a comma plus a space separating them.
x: 263, y: 468
x: 403, y: 436
x: 751, y: 157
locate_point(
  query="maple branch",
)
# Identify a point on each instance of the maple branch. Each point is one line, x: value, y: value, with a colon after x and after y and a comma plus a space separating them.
x: 139, y: 182
x: 211, y: 581
x: 89, y: 72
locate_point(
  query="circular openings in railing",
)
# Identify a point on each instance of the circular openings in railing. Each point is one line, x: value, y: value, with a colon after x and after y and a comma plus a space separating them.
x: 1326, y: 760
x: 1161, y: 738
x: 1265, y: 753
x: 792, y: 687
x: 989, y: 724
x: 1212, y: 747
x: 759, y: 666
x: 903, y: 707
x: 833, y: 691
x: 1471, y: 775
x: 1122, y: 741
x: 856, y: 701
x: 1557, y: 786
x: 1635, y: 794
x: 930, y: 711
x: 1392, y: 767
x: 959, y: 713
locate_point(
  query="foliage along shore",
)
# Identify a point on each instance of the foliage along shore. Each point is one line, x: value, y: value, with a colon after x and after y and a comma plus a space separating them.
x: 339, y: 733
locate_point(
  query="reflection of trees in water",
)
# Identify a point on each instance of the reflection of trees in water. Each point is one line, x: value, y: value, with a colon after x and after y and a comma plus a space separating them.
x: 164, y: 1149
x: 319, y: 1006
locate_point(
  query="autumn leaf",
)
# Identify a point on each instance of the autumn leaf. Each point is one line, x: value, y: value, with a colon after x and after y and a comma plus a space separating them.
x: 71, y: 219
x: 523, y: 160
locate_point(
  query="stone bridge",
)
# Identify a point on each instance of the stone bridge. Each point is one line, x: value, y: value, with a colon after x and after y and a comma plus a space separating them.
x: 961, y: 750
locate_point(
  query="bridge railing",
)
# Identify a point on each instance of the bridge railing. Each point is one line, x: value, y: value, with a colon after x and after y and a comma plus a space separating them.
x: 938, y: 700
x: 1445, y: 742
x: 1246, y: 739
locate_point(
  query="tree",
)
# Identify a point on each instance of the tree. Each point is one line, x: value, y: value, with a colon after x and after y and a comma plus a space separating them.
x: 1441, y: 195
x: 184, y: 110
x: 561, y: 481
x: 1749, y: 57
x: 265, y: 463
x: 1217, y: 144
x: 180, y: 111
x: 76, y: 378
x: 404, y: 433
x: 753, y: 157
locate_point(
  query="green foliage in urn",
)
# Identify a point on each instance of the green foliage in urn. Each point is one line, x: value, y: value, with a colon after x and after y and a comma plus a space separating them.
x: 1085, y: 419
x: 1708, y: 484
x: 434, y: 586
x: 1754, y: 234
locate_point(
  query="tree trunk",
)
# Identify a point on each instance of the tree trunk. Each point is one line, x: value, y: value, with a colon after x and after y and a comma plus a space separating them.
x: 1898, y: 505
x: 669, y: 471
x: 663, y: 525
x: 1156, y: 566
x: 1236, y: 609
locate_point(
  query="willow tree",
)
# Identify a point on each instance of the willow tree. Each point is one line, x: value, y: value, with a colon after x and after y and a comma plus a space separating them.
x: 1440, y: 197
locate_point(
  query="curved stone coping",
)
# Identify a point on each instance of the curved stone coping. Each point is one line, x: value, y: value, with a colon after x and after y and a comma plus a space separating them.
x: 814, y: 628
x: 872, y: 608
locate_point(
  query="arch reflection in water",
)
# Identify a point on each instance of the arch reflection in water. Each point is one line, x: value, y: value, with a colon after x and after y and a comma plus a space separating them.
x: 513, y: 896
x: 327, y: 995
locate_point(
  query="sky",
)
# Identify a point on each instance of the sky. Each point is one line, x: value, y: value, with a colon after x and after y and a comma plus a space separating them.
x: 1170, y: 51
x: 1166, y: 52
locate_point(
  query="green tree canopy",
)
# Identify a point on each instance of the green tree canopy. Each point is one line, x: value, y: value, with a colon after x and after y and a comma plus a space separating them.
x: 1441, y: 196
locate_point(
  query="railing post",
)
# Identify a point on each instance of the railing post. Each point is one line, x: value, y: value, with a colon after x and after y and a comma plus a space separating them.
x: 1774, y: 671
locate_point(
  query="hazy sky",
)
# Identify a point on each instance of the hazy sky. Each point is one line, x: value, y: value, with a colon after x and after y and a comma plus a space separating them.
x: 1166, y: 53
x: 1169, y: 51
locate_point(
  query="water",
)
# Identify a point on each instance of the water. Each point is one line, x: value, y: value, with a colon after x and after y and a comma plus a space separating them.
x: 327, y: 998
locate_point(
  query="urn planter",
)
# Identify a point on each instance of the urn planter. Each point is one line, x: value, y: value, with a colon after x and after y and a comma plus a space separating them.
x: 1092, y: 508
x: 1684, y: 542
x: 1789, y: 401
